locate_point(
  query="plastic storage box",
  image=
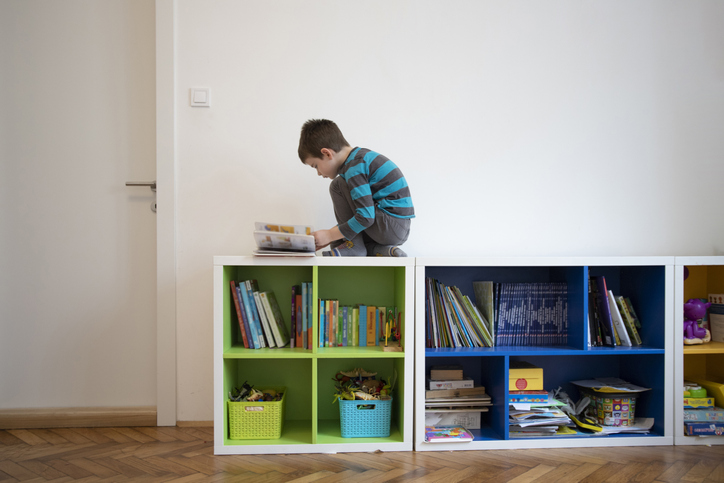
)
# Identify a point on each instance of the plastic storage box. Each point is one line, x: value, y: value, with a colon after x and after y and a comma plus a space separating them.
x: 613, y: 409
x: 365, y: 419
x: 257, y: 419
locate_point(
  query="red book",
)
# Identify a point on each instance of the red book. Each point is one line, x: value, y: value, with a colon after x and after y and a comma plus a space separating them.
x: 238, y: 314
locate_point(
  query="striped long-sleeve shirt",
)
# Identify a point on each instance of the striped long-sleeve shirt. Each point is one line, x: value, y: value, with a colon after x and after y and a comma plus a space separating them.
x: 374, y: 180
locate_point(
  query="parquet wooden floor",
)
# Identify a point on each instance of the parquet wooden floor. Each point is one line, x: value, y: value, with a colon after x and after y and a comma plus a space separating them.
x: 186, y: 455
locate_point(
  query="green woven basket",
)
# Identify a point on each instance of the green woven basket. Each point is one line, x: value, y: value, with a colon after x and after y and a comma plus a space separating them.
x: 257, y: 420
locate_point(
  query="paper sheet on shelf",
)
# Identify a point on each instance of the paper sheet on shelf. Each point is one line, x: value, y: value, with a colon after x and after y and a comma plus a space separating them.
x: 610, y: 384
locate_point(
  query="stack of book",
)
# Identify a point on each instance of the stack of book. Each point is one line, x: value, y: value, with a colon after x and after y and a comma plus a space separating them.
x: 535, y: 414
x: 260, y: 320
x: 453, y: 400
x: 612, y: 319
x: 302, y: 310
x: 529, y: 314
x: 358, y: 325
x: 452, y: 319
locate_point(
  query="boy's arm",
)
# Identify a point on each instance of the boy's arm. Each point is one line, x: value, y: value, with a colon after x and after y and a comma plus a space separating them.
x: 322, y: 238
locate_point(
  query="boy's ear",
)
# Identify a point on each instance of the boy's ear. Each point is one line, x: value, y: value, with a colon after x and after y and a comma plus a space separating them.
x: 327, y: 153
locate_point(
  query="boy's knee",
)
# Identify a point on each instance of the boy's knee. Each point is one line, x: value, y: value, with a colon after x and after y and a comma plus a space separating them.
x: 337, y: 186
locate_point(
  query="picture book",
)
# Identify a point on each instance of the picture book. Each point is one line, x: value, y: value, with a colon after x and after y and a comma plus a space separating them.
x: 617, y: 320
x: 457, y: 434
x: 283, y: 240
x: 599, y: 292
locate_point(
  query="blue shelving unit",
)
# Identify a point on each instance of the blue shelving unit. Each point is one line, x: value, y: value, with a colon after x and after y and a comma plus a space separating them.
x: 648, y: 281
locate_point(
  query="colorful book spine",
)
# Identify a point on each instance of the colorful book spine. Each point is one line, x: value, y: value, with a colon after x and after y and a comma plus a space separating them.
x: 322, y: 324
x: 362, y: 326
x: 293, y: 326
x: 239, y: 316
x: 298, y: 335
x: 310, y: 313
x: 345, y: 342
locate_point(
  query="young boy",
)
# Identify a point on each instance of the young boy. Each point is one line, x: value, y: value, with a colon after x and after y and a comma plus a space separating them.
x: 370, y: 195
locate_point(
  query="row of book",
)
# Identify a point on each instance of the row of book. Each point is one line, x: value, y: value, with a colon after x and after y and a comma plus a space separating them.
x: 301, y: 320
x: 530, y: 314
x: 612, y: 319
x: 358, y: 325
x: 260, y: 318
x: 452, y: 318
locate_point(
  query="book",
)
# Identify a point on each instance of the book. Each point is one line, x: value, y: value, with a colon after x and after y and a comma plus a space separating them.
x: 600, y: 301
x: 449, y: 372
x: 322, y: 323
x: 298, y: 334
x: 283, y: 240
x: 345, y: 341
x: 709, y: 428
x: 293, y: 325
x: 704, y: 414
x: 240, y: 318
x: 275, y: 318
x: 631, y: 310
x: 256, y: 336
x: 257, y: 312
x: 452, y: 384
x: 310, y: 314
x: 362, y: 310
x: 628, y: 320
x: 371, y: 325
x: 528, y: 397
x: 355, y: 326
x: 457, y: 434
x: 265, y: 324
x: 618, y: 324
x: 485, y: 302
x: 454, y: 392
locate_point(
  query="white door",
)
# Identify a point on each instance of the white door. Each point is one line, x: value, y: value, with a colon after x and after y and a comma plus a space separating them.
x: 77, y: 247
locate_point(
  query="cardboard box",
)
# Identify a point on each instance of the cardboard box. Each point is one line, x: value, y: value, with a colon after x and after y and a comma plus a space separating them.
x: 452, y: 384
x: 468, y: 420
x: 698, y: 402
x: 702, y: 415
x: 703, y: 429
x: 523, y: 376
x: 716, y: 322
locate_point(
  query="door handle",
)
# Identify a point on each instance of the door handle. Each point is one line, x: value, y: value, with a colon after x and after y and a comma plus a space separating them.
x: 151, y: 184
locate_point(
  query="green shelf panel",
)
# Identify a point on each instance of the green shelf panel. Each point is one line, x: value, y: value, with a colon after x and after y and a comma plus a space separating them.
x: 238, y: 352
x: 293, y: 432
x: 330, y: 433
x: 357, y: 352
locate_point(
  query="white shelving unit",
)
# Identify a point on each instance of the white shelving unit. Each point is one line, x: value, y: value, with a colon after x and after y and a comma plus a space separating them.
x: 696, y: 277
x: 311, y: 420
x: 649, y: 281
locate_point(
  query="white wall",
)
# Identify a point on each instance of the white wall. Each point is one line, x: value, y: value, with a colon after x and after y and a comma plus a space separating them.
x: 523, y: 128
x: 536, y: 128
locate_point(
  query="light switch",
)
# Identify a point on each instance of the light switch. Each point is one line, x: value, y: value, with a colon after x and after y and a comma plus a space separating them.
x: 200, y: 97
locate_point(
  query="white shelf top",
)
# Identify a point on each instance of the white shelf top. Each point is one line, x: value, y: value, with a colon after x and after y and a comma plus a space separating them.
x: 315, y: 261
x: 541, y: 261
x: 711, y: 260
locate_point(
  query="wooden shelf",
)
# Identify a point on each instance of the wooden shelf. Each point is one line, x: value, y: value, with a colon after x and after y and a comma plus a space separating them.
x: 311, y: 420
x: 708, y: 348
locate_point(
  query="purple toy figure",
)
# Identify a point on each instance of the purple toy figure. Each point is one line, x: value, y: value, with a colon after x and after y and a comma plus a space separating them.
x: 695, y: 310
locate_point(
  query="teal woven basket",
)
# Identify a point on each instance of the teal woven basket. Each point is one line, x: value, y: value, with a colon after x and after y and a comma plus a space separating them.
x: 365, y: 419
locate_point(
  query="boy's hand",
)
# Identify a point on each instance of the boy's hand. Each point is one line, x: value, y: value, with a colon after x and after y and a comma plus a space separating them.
x: 322, y: 238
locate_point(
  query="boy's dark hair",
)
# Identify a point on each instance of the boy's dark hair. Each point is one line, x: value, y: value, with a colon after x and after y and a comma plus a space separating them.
x: 318, y: 134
